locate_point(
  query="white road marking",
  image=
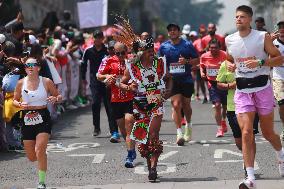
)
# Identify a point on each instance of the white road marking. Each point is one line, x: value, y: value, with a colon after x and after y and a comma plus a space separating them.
x: 60, y: 148
x: 98, y: 158
x: 206, y: 145
x: 167, y: 155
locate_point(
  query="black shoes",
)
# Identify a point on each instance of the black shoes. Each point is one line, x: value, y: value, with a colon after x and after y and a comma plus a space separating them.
x: 152, y: 174
x: 97, y: 132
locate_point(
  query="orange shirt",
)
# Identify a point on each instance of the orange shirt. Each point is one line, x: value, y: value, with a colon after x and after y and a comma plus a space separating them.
x: 198, y: 46
x: 212, y: 64
x: 205, y: 41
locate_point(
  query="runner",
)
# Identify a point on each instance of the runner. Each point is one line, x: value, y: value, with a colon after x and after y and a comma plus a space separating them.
x: 226, y: 81
x: 210, y: 63
x: 212, y: 35
x: 34, y: 90
x: 180, y: 55
x: 248, y: 49
x: 278, y: 76
x: 121, y: 101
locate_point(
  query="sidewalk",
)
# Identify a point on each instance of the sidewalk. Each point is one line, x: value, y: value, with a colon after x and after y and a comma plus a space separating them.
x: 224, y: 184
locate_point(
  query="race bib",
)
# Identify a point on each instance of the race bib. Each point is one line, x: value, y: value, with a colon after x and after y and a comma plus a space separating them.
x: 176, y: 68
x: 154, y: 96
x: 33, y: 118
x: 243, y: 68
x: 140, y: 131
x: 212, y: 72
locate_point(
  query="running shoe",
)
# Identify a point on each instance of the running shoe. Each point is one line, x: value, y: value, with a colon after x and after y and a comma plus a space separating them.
x: 187, y: 134
x: 114, y: 137
x: 205, y: 101
x: 183, y: 121
x: 220, y: 132
x: 282, y: 135
x: 224, y: 126
x: 129, y: 159
x: 41, y: 186
x: 97, y: 132
x: 180, y: 140
x: 247, y: 184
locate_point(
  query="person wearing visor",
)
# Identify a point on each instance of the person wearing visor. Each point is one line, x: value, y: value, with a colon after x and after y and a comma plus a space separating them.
x: 181, y: 56
x: 32, y: 95
x: 278, y: 75
x: 121, y: 100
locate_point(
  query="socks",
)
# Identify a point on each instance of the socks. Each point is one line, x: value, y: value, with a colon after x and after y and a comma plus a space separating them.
x: 188, y: 125
x: 179, y: 131
x: 280, y: 154
x: 250, y: 172
x: 41, y: 176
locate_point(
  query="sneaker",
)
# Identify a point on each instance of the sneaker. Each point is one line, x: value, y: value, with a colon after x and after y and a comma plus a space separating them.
x: 41, y: 186
x: 205, y: 101
x: 183, y: 121
x: 129, y: 159
x: 114, y: 137
x: 152, y: 174
x: 224, y: 126
x: 219, y: 133
x: 247, y: 184
x: 71, y: 107
x: 180, y: 140
x: 282, y: 135
x: 97, y: 132
x: 187, y: 134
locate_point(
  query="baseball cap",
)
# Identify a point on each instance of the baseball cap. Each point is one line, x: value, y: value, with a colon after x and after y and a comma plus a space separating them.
x: 111, y: 44
x: 193, y: 33
x: 173, y: 25
x: 186, y: 29
x: 2, y: 38
x: 98, y: 34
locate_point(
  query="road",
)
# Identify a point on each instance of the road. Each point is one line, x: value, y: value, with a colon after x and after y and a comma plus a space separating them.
x: 76, y: 158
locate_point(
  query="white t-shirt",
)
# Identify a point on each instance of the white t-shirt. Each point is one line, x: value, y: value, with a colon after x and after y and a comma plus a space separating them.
x: 278, y: 72
x: 247, y: 48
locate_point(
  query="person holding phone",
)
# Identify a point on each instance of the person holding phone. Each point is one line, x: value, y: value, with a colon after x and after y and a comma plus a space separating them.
x: 31, y: 95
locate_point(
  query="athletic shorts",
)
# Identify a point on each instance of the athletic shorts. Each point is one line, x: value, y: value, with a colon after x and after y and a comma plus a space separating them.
x: 30, y: 132
x: 278, y: 89
x: 185, y: 89
x: 261, y: 102
x: 119, y: 109
x: 233, y: 122
x: 217, y: 95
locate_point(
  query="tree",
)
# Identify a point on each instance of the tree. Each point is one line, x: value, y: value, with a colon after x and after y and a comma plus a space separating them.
x: 261, y: 5
x: 191, y: 12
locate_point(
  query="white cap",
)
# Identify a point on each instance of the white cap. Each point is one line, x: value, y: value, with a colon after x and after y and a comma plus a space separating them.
x: 193, y: 33
x: 33, y: 39
x: 31, y: 60
x: 2, y: 38
x: 186, y: 29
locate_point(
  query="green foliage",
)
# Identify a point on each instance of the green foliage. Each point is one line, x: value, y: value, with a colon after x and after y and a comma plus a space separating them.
x: 189, y: 12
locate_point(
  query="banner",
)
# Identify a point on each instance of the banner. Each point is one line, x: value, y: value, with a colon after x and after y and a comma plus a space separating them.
x: 92, y: 13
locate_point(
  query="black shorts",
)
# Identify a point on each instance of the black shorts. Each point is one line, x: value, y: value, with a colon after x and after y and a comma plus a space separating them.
x: 119, y: 109
x: 30, y: 132
x: 185, y: 89
x: 233, y: 122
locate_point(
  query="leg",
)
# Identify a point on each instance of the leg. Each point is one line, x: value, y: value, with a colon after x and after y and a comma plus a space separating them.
x: 113, y: 127
x: 29, y: 146
x: 218, y: 114
x: 40, y: 148
x: 96, y: 108
x: 121, y: 124
x: 129, y: 121
x: 177, y: 106
x: 187, y: 108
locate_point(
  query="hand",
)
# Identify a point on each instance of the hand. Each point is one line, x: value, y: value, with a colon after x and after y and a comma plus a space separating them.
x: 203, y: 76
x: 166, y: 93
x: 231, y: 67
x: 52, y: 99
x: 251, y: 64
x: 182, y: 60
x: 133, y: 87
x: 110, y: 79
x: 24, y: 105
x: 274, y: 35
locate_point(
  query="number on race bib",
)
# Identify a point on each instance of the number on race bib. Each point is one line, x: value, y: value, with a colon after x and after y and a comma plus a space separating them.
x: 33, y: 118
x: 177, y: 68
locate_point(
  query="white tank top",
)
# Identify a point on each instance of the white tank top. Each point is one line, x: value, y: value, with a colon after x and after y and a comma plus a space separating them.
x: 278, y: 72
x: 37, y: 97
x: 246, y: 48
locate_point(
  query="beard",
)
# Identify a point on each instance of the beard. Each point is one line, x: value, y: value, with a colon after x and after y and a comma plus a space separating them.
x: 212, y: 33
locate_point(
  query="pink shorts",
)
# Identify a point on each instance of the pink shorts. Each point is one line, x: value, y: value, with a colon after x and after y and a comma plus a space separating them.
x: 261, y: 102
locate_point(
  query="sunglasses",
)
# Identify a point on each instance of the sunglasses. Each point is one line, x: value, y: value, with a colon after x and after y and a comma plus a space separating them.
x: 122, y: 53
x: 30, y: 65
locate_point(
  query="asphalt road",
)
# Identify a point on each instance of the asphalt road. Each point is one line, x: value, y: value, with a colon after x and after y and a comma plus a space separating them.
x: 76, y: 158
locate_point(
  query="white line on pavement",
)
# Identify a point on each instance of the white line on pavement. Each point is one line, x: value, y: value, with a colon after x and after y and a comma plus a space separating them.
x: 98, y: 158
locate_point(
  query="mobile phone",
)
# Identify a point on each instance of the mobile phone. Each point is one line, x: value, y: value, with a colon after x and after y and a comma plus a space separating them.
x: 275, y: 29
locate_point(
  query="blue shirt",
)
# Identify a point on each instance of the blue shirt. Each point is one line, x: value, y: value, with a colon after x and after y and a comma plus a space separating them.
x: 173, y: 53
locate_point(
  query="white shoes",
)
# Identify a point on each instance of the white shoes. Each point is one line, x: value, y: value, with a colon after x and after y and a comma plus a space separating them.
x: 247, y: 184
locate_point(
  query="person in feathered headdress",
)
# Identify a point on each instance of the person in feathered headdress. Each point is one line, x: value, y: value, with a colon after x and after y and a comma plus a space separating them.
x: 150, y: 85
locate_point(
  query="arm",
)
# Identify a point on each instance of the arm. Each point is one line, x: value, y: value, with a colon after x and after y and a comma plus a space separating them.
x: 55, y: 95
x: 275, y: 56
x: 84, y: 64
x: 169, y: 85
x: 17, y: 96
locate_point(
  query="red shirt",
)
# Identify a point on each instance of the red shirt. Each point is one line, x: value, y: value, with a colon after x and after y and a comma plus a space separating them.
x: 113, y: 66
x: 205, y: 41
x: 212, y: 64
x: 198, y: 46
